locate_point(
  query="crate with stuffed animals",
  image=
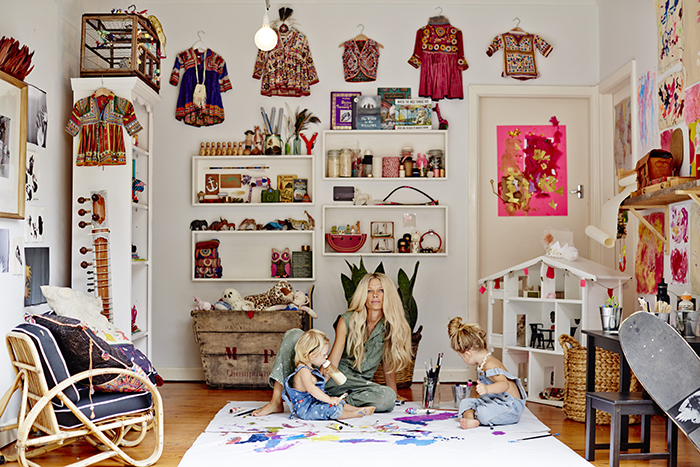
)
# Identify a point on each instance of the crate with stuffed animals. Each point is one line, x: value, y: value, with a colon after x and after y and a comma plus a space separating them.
x: 121, y: 45
x: 238, y: 348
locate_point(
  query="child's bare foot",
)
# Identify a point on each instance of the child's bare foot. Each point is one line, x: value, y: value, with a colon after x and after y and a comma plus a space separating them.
x: 468, y: 423
x: 267, y: 409
x: 350, y: 411
x: 366, y: 411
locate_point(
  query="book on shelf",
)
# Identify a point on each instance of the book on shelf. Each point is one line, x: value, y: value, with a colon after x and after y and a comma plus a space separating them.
x: 388, y: 97
x: 285, y: 183
x: 341, y: 109
x: 413, y: 114
x: 300, y: 189
x: 367, y: 113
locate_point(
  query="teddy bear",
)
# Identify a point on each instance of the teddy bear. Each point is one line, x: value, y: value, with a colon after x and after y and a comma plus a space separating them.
x: 232, y: 300
x: 279, y: 294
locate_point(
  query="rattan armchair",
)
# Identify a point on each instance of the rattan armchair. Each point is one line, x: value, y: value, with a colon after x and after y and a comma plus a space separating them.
x: 57, y: 409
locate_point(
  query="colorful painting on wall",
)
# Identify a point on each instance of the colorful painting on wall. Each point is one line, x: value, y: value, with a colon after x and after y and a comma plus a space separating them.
x: 649, y: 261
x: 669, y: 23
x: 691, y: 40
x: 671, y: 100
x: 691, y: 107
x: 694, y: 257
x: 623, y: 135
x: 646, y: 92
x: 37, y: 274
x: 532, y: 170
x: 693, y: 147
x: 679, y: 244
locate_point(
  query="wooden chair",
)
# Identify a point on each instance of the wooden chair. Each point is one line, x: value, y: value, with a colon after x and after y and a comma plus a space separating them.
x: 56, y: 408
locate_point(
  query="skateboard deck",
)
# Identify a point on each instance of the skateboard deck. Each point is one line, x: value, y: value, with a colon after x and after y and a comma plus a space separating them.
x: 667, y: 367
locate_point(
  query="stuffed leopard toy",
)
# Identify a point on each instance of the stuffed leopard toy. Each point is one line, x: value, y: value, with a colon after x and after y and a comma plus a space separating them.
x: 280, y: 293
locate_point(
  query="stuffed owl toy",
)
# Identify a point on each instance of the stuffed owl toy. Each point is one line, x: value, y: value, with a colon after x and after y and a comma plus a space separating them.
x: 281, y: 265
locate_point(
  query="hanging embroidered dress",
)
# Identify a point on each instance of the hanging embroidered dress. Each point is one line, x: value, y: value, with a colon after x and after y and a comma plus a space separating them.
x: 519, y: 53
x: 288, y: 69
x: 99, y: 120
x: 215, y: 79
x: 439, y: 53
x: 360, y: 60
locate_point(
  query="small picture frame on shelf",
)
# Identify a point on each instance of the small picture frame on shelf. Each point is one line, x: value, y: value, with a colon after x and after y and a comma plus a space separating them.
x: 382, y: 244
x: 382, y: 229
x: 211, y: 184
x: 230, y: 180
x: 285, y: 184
x: 300, y: 189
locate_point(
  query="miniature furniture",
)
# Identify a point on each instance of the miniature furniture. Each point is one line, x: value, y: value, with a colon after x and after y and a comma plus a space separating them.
x: 619, y: 404
x: 57, y: 409
x: 571, y: 290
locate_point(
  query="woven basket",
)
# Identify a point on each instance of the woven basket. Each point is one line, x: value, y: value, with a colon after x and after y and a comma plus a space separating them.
x: 607, y: 379
x: 404, y: 378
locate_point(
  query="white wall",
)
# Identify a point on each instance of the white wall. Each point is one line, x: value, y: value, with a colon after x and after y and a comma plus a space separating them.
x: 51, y: 29
x: 440, y: 292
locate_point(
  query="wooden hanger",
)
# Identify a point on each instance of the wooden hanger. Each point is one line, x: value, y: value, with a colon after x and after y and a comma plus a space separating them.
x: 517, y: 26
x: 361, y: 37
x: 102, y: 90
x: 199, y: 34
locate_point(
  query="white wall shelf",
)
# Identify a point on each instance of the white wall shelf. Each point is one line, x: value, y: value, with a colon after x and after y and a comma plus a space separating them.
x: 386, y: 143
x: 300, y: 166
x: 425, y: 218
x: 584, y: 285
x: 246, y: 254
x: 129, y: 223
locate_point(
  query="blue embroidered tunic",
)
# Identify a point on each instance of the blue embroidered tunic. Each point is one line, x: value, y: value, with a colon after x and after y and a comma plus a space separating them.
x: 215, y: 81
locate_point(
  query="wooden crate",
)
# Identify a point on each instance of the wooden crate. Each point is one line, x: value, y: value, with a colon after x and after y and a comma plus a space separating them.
x: 120, y: 45
x: 238, y: 351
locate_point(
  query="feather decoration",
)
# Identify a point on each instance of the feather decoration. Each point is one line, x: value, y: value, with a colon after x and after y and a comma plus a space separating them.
x: 303, y: 119
x: 15, y: 60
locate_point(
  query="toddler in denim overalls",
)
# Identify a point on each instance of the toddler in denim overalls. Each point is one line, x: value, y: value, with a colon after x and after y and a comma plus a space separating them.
x: 498, y: 398
x: 305, y: 388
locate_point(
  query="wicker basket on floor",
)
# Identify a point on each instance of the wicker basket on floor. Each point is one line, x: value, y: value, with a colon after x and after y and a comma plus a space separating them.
x: 607, y: 379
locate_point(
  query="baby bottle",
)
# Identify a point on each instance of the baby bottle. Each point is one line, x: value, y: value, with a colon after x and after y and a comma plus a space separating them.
x: 335, y: 373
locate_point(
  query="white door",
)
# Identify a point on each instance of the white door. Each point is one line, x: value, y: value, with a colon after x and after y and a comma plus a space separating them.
x: 498, y: 242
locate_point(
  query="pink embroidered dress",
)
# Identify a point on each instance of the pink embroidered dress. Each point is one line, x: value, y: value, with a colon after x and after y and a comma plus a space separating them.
x: 288, y: 69
x: 439, y: 53
x: 99, y: 120
x: 519, y: 53
x: 360, y: 60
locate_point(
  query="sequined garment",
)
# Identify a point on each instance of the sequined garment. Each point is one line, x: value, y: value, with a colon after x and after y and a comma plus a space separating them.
x: 439, y: 53
x: 360, y: 60
x: 519, y: 53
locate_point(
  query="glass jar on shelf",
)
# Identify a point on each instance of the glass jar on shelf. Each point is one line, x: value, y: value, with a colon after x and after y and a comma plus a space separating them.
x: 333, y: 163
x: 345, y: 163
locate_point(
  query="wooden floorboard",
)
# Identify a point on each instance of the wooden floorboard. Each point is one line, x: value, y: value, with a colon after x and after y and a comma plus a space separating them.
x: 190, y: 406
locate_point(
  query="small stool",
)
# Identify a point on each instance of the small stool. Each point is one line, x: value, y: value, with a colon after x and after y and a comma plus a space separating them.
x: 547, y: 338
x: 618, y: 404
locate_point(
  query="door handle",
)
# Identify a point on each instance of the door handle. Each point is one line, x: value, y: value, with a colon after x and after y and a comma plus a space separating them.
x: 578, y: 192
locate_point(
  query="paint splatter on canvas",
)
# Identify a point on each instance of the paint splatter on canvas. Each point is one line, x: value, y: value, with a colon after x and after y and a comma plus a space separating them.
x: 679, y: 265
x: 679, y: 243
x: 669, y: 22
x: 532, y: 170
x: 679, y: 224
x: 694, y: 247
x: 646, y: 92
x: 691, y: 108
x: 623, y: 135
x: 671, y: 98
x: 693, y: 147
x: 649, y: 262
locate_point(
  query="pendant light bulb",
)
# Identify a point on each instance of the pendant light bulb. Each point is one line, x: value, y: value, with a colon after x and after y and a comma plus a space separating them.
x: 266, y: 37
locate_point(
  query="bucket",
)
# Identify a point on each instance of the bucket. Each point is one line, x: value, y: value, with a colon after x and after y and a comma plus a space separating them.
x: 687, y: 323
x: 610, y: 318
x: 461, y: 391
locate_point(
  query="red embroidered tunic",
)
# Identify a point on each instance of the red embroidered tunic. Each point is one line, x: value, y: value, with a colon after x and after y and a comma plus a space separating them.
x: 360, y: 60
x: 99, y: 121
x: 288, y: 69
x: 519, y: 53
x: 439, y: 53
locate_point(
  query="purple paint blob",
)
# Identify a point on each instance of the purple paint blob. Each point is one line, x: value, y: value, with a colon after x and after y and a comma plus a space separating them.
x: 424, y: 419
x: 498, y: 433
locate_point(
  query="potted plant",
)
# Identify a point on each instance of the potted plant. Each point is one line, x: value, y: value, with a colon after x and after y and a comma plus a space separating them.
x: 405, y: 285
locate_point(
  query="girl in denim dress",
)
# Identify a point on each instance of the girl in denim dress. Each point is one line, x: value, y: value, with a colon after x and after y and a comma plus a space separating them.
x: 498, y: 398
x: 304, y: 389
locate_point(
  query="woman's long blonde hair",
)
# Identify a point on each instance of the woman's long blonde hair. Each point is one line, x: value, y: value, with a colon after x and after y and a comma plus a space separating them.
x: 465, y: 336
x: 397, y: 341
x: 310, y: 343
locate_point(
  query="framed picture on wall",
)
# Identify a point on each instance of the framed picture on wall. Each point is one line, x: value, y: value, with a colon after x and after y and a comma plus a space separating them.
x: 13, y: 145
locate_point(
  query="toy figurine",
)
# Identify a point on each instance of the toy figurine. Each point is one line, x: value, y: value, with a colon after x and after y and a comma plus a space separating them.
x: 257, y: 141
x: 207, y: 150
x: 248, y: 144
x: 201, y: 149
x: 241, y: 148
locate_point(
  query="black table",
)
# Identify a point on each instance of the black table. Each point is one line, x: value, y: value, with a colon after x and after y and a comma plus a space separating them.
x: 609, y: 341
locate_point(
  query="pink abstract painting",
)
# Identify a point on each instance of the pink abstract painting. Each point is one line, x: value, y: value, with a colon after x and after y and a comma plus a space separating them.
x: 680, y: 257
x: 532, y: 170
x: 679, y: 224
x: 679, y: 265
x: 649, y: 261
x: 691, y: 108
x: 671, y: 100
x: 646, y: 92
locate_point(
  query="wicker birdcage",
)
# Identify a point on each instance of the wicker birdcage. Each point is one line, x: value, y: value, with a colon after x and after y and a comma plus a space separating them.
x: 120, y: 45
x: 607, y: 379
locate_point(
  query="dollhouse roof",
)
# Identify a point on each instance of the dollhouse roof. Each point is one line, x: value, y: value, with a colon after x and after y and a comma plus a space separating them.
x: 582, y: 267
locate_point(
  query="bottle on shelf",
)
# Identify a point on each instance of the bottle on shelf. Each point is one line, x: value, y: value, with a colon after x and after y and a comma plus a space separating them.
x: 662, y: 293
